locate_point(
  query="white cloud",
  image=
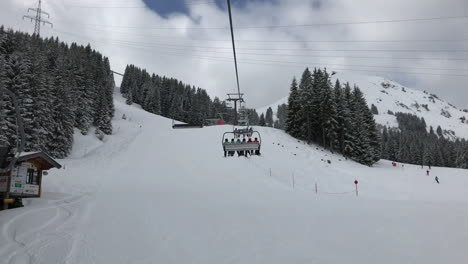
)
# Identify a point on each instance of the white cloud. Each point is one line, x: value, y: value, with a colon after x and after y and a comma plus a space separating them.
x: 170, y: 51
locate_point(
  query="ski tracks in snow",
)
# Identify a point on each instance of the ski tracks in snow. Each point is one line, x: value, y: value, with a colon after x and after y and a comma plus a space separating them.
x: 50, y: 239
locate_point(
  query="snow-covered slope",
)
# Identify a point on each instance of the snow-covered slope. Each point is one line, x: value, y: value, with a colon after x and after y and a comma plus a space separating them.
x: 150, y: 194
x: 389, y: 95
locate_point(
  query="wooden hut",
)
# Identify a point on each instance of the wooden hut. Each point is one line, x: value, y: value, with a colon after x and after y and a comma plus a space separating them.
x: 25, y: 179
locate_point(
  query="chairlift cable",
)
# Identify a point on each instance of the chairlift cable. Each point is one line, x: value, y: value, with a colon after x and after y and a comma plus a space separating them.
x: 233, y: 47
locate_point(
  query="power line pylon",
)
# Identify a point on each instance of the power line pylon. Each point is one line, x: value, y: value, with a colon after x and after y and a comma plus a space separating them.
x: 38, y: 19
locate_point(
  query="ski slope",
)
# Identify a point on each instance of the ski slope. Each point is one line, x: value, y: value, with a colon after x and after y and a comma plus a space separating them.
x: 389, y: 95
x: 150, y: 194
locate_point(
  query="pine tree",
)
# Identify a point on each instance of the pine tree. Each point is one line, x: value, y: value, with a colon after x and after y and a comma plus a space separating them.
x: 282, y: 115
x: 3, y: 109
x: 349, y: 125
x: 329, y: 123
x: 340, y: 115
x: 129, y: 100
x: 439, y: 132
x: 269, y: 117
x: 308, y: 113
x: 58, y: 87
x: 363, y: 152
x: 63, y: 115
x: 262, y: 120
x: 294, y: 110
x: 374, y: 110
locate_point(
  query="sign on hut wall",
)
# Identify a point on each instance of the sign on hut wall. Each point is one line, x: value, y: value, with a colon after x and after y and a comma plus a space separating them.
x: 18, y: 178
x: 31, y: 189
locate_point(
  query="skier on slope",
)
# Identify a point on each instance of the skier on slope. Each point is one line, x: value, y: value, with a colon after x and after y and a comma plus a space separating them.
x: 437, y: 179
x: 427, y: 172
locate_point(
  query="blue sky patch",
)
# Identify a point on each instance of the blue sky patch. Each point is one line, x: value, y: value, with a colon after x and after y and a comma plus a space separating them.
x: 168, y: 7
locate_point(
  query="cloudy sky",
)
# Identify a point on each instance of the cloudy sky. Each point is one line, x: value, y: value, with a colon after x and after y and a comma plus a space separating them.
x: 422, y: 44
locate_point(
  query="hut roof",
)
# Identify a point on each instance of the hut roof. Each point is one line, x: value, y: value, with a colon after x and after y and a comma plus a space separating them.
x: 45, y: 160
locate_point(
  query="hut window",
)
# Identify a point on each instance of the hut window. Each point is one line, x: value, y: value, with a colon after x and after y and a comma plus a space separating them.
x: 32, y: 176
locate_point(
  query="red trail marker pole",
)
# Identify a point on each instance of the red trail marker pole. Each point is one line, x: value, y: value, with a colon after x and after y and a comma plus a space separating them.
x: 356, y: 183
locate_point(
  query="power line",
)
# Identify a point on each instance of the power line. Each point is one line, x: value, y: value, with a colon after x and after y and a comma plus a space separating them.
x: 229, y: 60
x: 296, y: 64
x: 170, y: 45
x: 272, y: 40
x: 293, y: 26
x: 291, y: 55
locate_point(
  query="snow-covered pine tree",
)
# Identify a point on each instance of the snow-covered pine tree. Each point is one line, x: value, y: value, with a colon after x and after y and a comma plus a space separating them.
x: 373, y: 137
x: 362, y: 152
x: 374, y: 109
x: 293, y: 120
x: 340, y: 115
x: 348, y: 135
x: 126, y: 79
x: 63, y: 116
x: 109, y: 86
x: 156, y: 96
x: 462, y: 155
x: 17, y: 75
x: 262, y: 120
x: 41, y: 89
x: 307, y: 115
x: 315, y: 105
x: 329, y: 116
x: 130, y: 90
x: 282, y: 115
x: 83, y: 72
x: 3, y: 100
x: 269, y: 117
x: 148, y: 87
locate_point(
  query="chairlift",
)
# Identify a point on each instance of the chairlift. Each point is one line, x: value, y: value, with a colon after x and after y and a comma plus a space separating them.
x: 243, y: 146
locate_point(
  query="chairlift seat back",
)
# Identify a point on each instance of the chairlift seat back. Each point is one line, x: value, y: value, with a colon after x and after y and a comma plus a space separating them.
x: 242, y: 147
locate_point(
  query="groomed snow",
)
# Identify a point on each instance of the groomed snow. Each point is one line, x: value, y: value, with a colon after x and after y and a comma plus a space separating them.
x: 150, y: 194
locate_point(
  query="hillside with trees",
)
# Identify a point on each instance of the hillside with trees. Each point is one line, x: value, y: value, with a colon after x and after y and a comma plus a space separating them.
x: 59, y: 87
x: 171, y: 98
x: 412, y: 143
x: 335, y: 117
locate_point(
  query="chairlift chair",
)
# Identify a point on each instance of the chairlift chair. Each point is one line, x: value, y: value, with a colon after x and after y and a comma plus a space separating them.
x: 244, y: 146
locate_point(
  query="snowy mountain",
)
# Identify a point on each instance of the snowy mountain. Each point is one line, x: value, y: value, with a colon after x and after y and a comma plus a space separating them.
x: 151, y: 194
x: 388, y: 95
